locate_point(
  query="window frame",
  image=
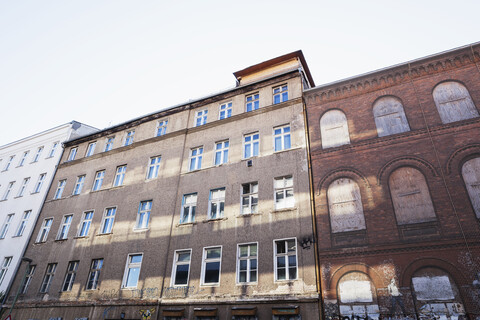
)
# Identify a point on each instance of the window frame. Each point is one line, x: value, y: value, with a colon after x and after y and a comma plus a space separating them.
x: 90, y: 149
x: 254, y: 103
x: 177, y: 263
x: 37, y: 155
x: 222, y: 151
x: 64, y: 228
x: 28, y: 278
x: 248, y: 258
x: 161, y: 129
x: 42, y: 235
x: 70, y: 276
x: 282, y: 136
x: 119, y: 177
x: 23, y: 158
x: 211, y: 260
x: 53, y: 149
x: 22, y: 225
x: 7, y: 261
x: 95, y: 272
x: 250, y: 195
x: 109, y: 143
x: 77, y: 189
x: 129, y: 138
x: 287, y: 263
x: 60, y: 188
x: 200, y: 117
x: 195, y: 159
x: 140, y: 223
x: 9, y: 163
x: 225, y: 110
x: 72, y: 154
x: 39, y: 184
x: 283, y: 88
x: 153, y: 167
x: 23, y: 187
x: 6, y: 225
x: 132, y: 265
x: 218, y: 202
x: 98, y: 181
x: 284, y: 190
x: 103, y: 225
x: 251, y: 144
x: 7, y: 192
x: 48, y: 277
x: 85, y: 222
x: 192, y: 208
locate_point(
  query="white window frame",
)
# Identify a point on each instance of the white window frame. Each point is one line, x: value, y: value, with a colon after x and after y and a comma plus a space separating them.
x: 24, y: 157
x: 95, y: 271
x: 161, y: 128
x: 98, y: 181
x: 179, y: 263
x: 153, y: 167
x: 225, y: 110
x: 7, y: 165
x: 218, y: 201
x: 286, y: 203
x: 48, y: 277
x: 286, y: 255
x: 279, y: 92
x: 28, y: 278
x: 9, y: 189
x: 247, y: 258
x: 106, y: 219
x: 77, y: 189
x: 192, y: 207
x: 254, y: 140
x: 6, y: 225
x: 53, y: 149
x: 201, y: 117
x: 23, y: 187
x: 22, y: 225
x: 60, y: 188
x: 211, y: 260
x: 109, y: 143
x: 64, y: 227
x: 120, y: 175
x: 90, y: 149
x: 129, y: 136
x: 132, y: 265
x: 44, y: 230
x: 4, y: 267
x: 251, y: 195
x: 221, y: 152
x: 72, y: 154
x: 195, y: 159
x: 39, y: 184
x: 37, y: 155
x: 85, y: 223
x: 284, y: 132
x: 253, y: 103
x: 143, y: 214
x: 70, y: 276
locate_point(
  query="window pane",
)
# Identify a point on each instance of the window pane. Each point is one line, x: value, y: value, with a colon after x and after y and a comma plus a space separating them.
x: 181, y: 274
x: 213, y: 253
x: 212, y: 272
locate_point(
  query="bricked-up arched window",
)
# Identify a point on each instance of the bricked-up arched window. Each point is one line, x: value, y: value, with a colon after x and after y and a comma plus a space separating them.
x: 410, y: 196
x: 334, y: 129
x: 389, y: 116
x: 471, y: 176
x: 454, y: 102
x: 356, y: 296
x: 345, y: 206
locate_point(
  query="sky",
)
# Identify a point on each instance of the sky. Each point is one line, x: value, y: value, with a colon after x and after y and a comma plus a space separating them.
x: 103, y: 62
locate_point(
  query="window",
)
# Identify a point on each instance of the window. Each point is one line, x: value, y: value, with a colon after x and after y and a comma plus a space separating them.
x: 9, y: 189
x: 225, y: 110
x: 286, y: 259
x: 23, y: 223
x: 216, y: 203
x: 109, y: 144
x: 247, y: 263
x: 37, y: 155
x: 47, y: 279
x: 345, y: 206
x: 85, y: 224
x: 132, y: 270
x: 221, y: 152
x: 28, y: 278
x: 70, y: 276
x: 94, y: 274
x: 7, y: 165
x: 410, y: 196
x: 39, y: 184
x: 119, y: 176
x: 249, y: 198
x: 90, y: 149
x: 471, y: 176
x: 153, y: 166
x: 201, y: 117
x: 44, y: 230
x: 196, y: 159
x: 107, y: 220
x: 23, y: 187
x: 250, y: 145
x: 54, y: 148
x: 281, y: 137
x: 280, y: 94
x: 212, y: 259
x: 252, y: 102
x: 79, y: 185
x: 284, y: 192
x: 5, y: 264
x: 389, y: 116
x: 6, y: 225
x: 64, y: 227
x: 24, y: 157
x: 454, y: 102
x: 189, y: 204
x: 334, y: 129
x: 129, y: 138
x: 181, y: 267
x: 356, y: 292
x: 72, y: 154
x: 162, y: 127
x: 143, y: 216
x: 97, y: 184
x: 60, y: 187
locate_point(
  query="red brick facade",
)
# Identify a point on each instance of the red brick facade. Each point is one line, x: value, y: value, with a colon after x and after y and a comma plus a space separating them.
x: 445, y: 249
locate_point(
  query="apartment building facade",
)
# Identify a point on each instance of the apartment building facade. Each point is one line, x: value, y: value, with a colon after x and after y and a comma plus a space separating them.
x: 396, y: 168
x: 27, y: 168
x: 199, y: 211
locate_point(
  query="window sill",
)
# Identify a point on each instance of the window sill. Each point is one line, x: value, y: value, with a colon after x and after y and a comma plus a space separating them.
x: 241, y: 284
x: 286, y: 150
x: 35, y: 192
x: 18, y: 197
x: 246, y: 215
x: 210, y: 284
x: 214, y: 220
x: 186, y: 224
x: 284, y: 210
x: 33, y: 162
x: 104, y: 234
x: 39, y: 242
x: 81, y: 237
x: 17, y: 236
x: 61, y: 240
x: 3, y: 200
x: 140, y: 230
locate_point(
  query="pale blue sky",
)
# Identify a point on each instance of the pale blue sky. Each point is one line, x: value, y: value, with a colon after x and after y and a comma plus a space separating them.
x: 104, y: 62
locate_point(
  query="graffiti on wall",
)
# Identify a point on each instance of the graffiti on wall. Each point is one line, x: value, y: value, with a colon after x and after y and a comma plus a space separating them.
x: 146, y: 314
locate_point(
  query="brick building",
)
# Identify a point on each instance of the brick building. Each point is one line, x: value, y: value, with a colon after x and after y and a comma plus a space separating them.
x: 395, y: 157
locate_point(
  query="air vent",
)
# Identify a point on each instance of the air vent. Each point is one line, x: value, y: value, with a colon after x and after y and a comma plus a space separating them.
x: 249, y: 163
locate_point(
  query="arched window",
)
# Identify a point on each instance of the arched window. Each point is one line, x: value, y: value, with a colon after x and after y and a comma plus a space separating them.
x: 356, y: 296
x: 345, y: 206
x: 454, y: 102
x: 410, y: 196
x: 334, y: 129
x: 389, y: 116
x: 471, y: 176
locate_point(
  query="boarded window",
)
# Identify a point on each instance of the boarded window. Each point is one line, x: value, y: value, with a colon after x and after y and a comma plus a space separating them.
x: 471, y: 176
x: 389, y: 116
x: 454, y: 102
x: 410, y: 196
x: 357, y: 298
x: 334, y: 129
x: 345, y: 206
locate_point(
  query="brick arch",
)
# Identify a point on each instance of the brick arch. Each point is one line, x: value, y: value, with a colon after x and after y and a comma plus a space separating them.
x: 391, y: 95
x: 460, y: 156
x: 377, y: 280
x: 444, y: 265
x: 449, y: 80
x: 425, y: 167
x: 345, y: 172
